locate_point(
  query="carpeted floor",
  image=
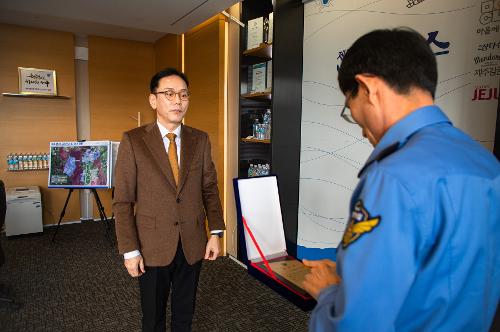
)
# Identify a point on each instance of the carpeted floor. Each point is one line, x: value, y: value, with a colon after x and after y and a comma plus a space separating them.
x: 79, y: 283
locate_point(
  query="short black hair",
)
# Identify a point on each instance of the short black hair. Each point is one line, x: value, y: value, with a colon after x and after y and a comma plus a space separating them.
x: 164, y: 73
x: 401, y: 57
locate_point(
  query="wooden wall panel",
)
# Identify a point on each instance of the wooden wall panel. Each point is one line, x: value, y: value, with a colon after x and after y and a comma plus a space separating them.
x: 29, y: 124
x: 204, y: 66
x: 119, y: 75
x: 168, y: 52
x: 233, y: 98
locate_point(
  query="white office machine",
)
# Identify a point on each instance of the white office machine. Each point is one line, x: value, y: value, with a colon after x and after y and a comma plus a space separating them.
x: 24, y: 211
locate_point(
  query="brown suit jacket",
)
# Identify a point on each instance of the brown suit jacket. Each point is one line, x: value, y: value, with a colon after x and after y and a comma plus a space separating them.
x: 144, y: 183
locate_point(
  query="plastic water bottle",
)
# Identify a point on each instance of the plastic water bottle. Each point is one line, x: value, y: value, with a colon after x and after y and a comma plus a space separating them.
x: 255, y: 128
x: 267, y: 117
x: 38, y: 161
x: 20, y: 159
x: 30, y: 161
x: 25, y: 162
x: 267, y: 124
x: 46, y: 161
x: 9, y: 162
x: 259, y: 170
x: 251, y: 171
x: 14, y: 162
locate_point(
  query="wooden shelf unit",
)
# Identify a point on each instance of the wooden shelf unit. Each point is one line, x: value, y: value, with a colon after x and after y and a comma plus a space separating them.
x: 257, y: 95
x: 264, y: 51
x: 255, y: 140
x: 253, y: 105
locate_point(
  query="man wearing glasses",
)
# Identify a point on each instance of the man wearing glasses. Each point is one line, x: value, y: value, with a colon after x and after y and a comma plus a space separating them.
x: 165, y: 187
x: 421, y: 251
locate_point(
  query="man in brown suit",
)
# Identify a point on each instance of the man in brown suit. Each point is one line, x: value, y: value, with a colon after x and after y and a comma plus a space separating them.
x: 165, y: 187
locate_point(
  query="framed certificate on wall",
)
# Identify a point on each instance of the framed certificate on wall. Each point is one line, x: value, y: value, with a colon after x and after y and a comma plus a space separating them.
x: 33, y: 81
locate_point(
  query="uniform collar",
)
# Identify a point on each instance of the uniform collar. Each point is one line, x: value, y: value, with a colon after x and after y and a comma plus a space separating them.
x: 399, y: 133
x: 164, y: 131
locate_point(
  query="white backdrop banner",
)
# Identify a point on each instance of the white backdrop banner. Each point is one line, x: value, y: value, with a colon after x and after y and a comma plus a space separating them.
x: 464, y: 35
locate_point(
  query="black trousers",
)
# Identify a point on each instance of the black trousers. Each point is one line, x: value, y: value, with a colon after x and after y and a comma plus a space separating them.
x: 154, y: 286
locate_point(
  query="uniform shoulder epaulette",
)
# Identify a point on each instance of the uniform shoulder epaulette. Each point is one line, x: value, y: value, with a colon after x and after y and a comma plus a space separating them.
x: 384, y: 153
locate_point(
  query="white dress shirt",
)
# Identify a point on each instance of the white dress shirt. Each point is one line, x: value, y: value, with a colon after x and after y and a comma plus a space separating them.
x: 166, y: 142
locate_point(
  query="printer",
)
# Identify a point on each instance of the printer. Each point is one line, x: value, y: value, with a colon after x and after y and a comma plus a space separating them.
x: 24, y: 211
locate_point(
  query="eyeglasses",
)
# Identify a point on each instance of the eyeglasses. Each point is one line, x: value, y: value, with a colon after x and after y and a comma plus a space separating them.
x: 170, y: 94
x: 346, y: 115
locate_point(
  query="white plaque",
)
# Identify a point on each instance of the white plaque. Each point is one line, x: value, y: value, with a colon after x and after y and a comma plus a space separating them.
x: 269, y: 76
x: 255, y: 32
x: 259, y: 77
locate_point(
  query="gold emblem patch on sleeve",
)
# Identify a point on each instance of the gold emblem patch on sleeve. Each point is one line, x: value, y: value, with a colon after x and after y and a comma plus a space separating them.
x: 360, y: 223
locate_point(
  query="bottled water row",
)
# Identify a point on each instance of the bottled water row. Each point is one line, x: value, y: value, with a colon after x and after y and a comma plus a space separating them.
x: 258, y: 170
x: 263, y: 130
x: 27, y: 161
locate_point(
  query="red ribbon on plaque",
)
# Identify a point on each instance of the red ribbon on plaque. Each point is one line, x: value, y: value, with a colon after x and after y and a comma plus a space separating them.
x: 258, y: 248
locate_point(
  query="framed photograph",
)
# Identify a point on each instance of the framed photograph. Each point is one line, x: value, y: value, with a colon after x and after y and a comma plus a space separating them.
x: 80, y: 165
x: 33, y: 81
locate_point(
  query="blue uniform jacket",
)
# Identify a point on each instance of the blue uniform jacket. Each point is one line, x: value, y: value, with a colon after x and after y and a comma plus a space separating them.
x: 422, y: 249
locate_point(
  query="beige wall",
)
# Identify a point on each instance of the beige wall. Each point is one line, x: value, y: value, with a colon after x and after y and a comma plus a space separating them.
x: 29, y: 124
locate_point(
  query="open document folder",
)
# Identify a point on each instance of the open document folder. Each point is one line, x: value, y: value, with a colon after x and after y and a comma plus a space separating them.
x: 264, y: 234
